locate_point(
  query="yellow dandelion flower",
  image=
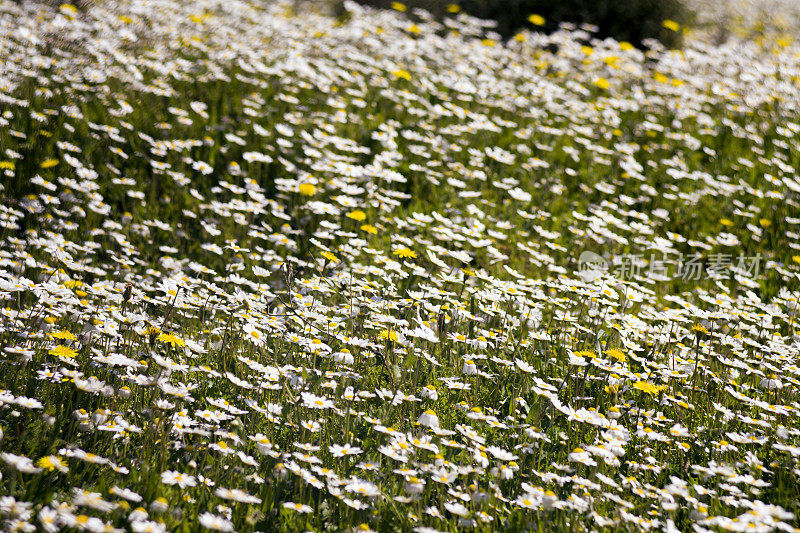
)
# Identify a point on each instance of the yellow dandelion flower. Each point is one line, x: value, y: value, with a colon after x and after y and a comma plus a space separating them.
x: 536, y: 20
x: 646, y: 386
x: 307, y: 189
x: 602, y: 83
x: 405, y: 253
x: 52, y: 462
x: 388, y: 334
x: 330, y: 257
x: 617, y: 354
x: 64, y: 335
x: 63, y: 351
x: 169, y: 338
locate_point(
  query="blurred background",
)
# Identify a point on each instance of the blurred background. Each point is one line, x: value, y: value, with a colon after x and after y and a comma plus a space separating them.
x: 634, y: 21
x: 625, y: 20
x: 639, y: 22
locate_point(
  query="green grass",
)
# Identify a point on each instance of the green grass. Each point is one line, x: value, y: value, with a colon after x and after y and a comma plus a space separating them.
x: 192, y: 339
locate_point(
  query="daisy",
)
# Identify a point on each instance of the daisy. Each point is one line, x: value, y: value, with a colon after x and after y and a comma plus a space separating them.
x: 341, y: 451
x: 171, y: 477
x: 429, y: 419
x: 215, y: 522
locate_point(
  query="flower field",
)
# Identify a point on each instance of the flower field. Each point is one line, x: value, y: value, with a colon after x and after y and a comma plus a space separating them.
x: 264, y: 269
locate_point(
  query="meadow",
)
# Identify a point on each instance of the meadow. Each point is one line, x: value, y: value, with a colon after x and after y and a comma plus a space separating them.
x: 271, y: 270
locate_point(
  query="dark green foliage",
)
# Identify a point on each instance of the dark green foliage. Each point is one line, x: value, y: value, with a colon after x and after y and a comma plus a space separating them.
x: 625, y: 20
